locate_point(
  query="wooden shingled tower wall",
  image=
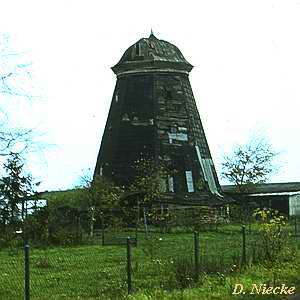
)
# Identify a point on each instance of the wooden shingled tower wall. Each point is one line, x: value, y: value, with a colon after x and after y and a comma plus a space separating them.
x: 153, y: 114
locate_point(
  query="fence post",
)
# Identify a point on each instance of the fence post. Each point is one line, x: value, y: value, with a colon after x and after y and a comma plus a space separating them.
x: 196, y: 248
x: 137, y: 221
x: 244, y: 245
x: 129, y: 282
x: 145, y: 222
x: 26, y: 269
x: 102, y: 228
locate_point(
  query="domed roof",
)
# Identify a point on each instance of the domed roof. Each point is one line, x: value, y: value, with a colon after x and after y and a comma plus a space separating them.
x: 152, y: 54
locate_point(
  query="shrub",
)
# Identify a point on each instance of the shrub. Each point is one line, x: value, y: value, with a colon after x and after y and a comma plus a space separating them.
x: 65, y: 237
x: 178, y: 273
x: 10, y: 240
x: 273, y: 232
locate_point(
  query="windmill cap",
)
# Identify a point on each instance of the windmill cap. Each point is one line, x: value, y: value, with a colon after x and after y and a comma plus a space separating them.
x: 150, y: 54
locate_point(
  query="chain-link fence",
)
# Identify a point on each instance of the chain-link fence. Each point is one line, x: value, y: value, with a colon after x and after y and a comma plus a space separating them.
x: 161, y: 256
x: 12, y: 273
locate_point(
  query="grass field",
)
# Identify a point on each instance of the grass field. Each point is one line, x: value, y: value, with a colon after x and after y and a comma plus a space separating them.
x: 162, y: 267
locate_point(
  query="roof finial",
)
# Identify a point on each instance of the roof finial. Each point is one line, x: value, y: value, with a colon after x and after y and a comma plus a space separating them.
x: 151, y: 34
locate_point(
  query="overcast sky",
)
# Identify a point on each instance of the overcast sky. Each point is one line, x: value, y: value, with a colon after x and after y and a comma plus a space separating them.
x: 246, y: 76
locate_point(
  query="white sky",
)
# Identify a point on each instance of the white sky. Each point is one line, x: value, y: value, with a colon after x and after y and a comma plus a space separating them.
x: 246, y: 78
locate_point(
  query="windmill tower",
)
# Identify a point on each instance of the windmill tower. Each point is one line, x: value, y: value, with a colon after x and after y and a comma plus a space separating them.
x: 153, y: 114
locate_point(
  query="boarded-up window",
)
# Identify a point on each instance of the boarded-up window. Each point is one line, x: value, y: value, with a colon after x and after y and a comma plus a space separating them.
x: 171, y: 184
x: 189, y: 181
x: 183, y: 137
x: 294, y: 205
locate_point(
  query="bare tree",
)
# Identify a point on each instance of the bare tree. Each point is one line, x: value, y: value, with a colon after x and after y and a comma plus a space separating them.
x: 15, y: 84
x: 249, y: 164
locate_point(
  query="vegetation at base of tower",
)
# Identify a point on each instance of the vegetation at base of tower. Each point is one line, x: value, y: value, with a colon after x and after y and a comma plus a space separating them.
x: 72, y: 213
x: 69, y: 217
x: 99, y: 195
x: 149, y: 183
x: 160, y: 216
x: 249, y: 164
x: 150, y: 180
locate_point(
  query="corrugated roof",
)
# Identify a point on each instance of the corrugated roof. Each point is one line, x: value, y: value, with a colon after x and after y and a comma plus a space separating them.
x: 275, y: 194
x: 265, y: 188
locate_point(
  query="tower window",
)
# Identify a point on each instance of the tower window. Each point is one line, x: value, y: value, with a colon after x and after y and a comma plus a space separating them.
x: 169, y: 95
x: 125, y: 117
x: 173, y: 128
x: 137, y: 49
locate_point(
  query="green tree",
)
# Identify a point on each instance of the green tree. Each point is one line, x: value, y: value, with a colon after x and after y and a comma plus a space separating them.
x: 249, y: 165
x: 99, y: 196
x: 150, y: 180
x: 149, y: 184
x: 15, y: 189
